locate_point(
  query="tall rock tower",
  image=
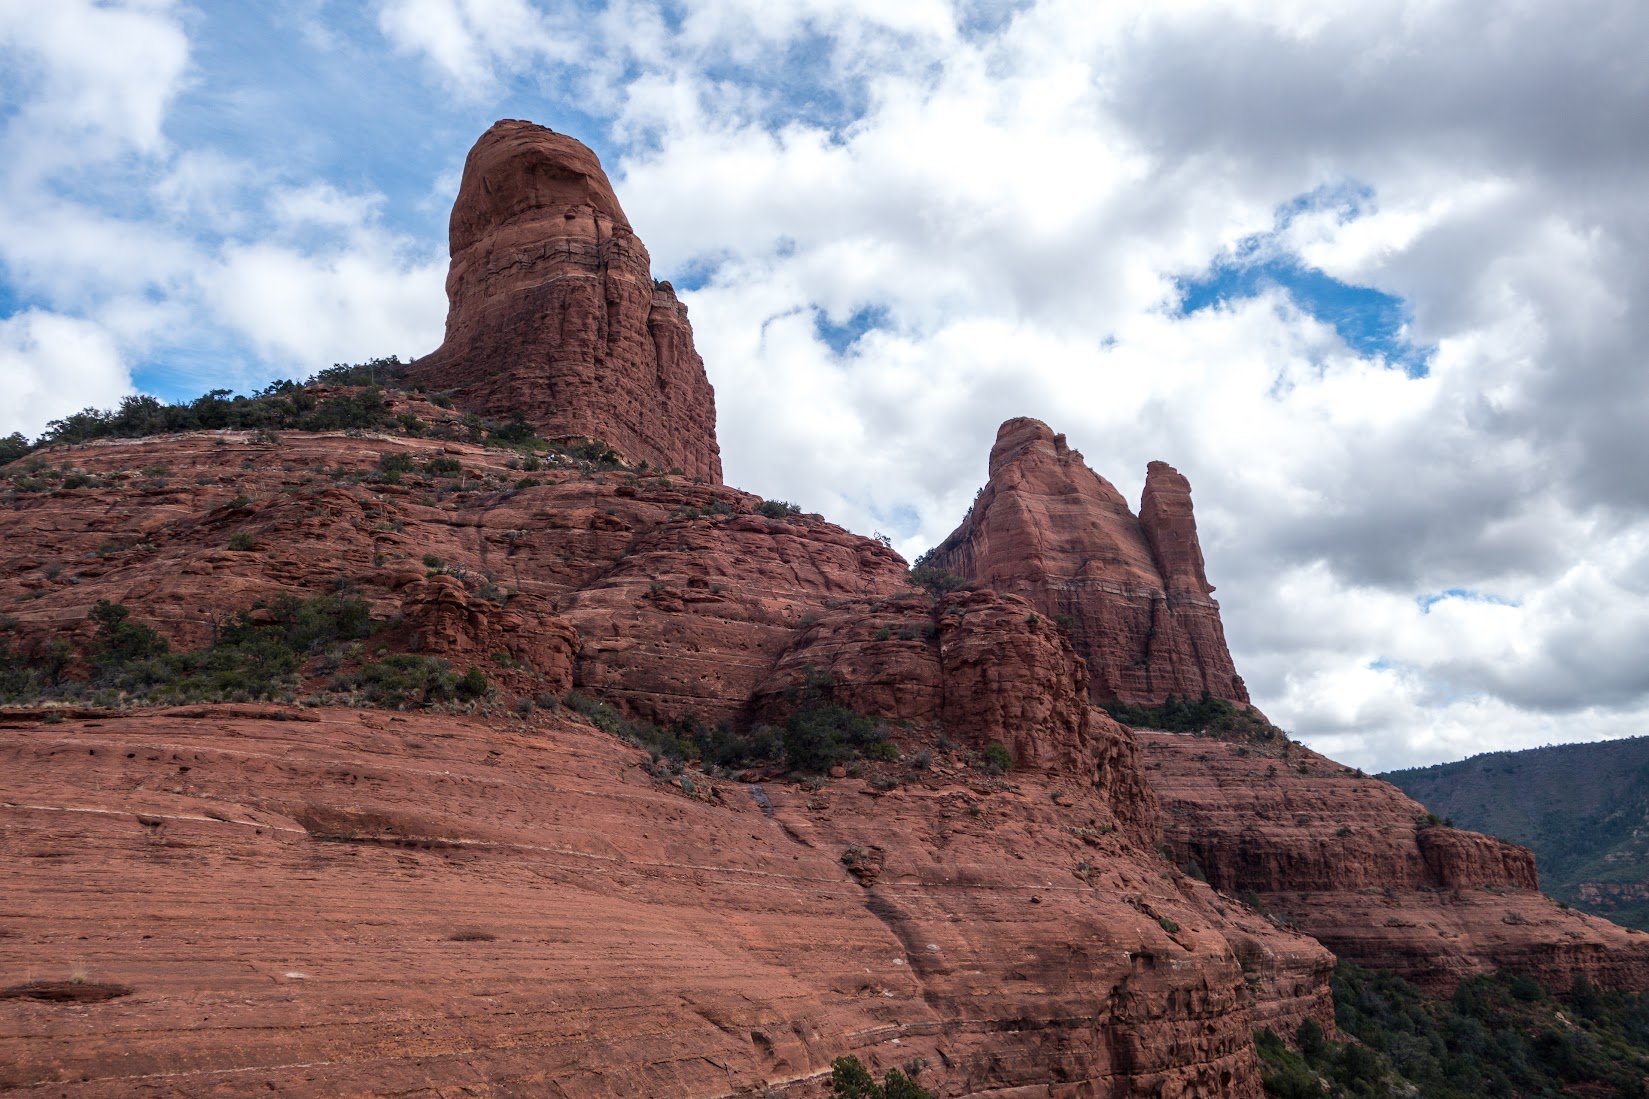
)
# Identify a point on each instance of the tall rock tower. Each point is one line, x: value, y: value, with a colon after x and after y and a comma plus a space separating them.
x: 1130, y: 591
x: 553, y: 313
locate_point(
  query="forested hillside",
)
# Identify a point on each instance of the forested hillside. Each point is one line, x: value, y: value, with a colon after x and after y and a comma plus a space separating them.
x: 1582, y: 808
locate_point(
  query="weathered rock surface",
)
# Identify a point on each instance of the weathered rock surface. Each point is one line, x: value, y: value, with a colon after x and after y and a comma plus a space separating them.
x: 319, y: 901
x: 666, y: 597
x: 553, y: 313
x: 366, y: 903
x: 974, y: 667
x: 1350, y: 860
x: 1131, y: 592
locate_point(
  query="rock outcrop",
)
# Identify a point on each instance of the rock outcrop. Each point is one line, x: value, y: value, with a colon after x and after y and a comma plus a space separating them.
x: 317, y: 899
x: 553, y: 313
x: 321, y: 902
x: 1131, y: 592
x: 1363, y: 869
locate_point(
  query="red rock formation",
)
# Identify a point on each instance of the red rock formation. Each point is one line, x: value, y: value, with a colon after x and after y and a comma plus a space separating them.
x: 553, y: 313
x: 1131, y: 592
x: 972, y: 667
x: 1350, y: 861
x: 668, y: 598
x: 351, y: 902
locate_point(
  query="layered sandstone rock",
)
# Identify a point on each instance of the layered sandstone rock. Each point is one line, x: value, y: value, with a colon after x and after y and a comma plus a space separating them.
x: 340, y: 902
x: 553, y: 313
x: 974, y: 668
x: 665, y: 597
x: 1131, y: 592
x: 1358, y: 865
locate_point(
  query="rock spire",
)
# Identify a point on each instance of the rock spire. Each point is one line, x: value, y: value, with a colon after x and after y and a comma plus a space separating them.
x: 553, y: 313
x: 1130, y: 590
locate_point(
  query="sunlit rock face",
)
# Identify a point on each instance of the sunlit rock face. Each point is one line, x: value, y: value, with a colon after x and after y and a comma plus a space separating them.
x: 553, y: 314
x: 1129, y: 590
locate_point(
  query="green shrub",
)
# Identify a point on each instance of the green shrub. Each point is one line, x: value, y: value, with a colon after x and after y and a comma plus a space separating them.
x: 997, y: 757
x: 256, y: 654
x: 242, y: 540
x: 13, y: 447
x: 1209, y: 715
x: 778, y: 509
x: 473, y: 685
x: 443, y: 465
x: 849, y: 1079
x: 935, y: 581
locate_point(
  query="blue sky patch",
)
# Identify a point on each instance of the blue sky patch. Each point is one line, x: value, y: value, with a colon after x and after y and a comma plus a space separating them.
x: 1372, y: 322
x: 1427, y: 602
x: 842, y: 336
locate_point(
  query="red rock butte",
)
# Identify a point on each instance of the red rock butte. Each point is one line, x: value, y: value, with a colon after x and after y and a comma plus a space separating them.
x: 553, y: 313
x: 1130, y: 590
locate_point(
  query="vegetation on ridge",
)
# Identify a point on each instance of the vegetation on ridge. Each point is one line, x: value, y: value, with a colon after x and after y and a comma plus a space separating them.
x: 355, y: 397
x: 1580, y: 807
x: 261, y: 653
x: 1207, y: 715
x: 817, y: 735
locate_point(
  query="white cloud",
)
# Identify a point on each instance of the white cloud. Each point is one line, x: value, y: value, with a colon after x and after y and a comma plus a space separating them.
x: 306, y: 309
x: 105, y: 73
x: 468, y: 41
x: 54, y: 365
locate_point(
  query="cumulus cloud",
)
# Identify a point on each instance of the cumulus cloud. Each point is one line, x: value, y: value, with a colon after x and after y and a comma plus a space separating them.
x: 1012, y: 216
x: 54, y: 365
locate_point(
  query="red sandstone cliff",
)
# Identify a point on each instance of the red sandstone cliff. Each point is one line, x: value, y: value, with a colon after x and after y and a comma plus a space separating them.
x: 1353, y: 862
x: 1014, y: 932
x: 553, y: 313
x: 1131, y: 592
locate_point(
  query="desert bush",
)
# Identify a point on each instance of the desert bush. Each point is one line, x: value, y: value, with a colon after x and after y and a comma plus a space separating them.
x: 778, y: 509
x: 1210, y: 715
x: 849, y: 1079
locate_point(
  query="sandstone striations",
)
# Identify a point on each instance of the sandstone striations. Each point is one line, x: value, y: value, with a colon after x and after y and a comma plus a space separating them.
x: 1017, y: 932
x: 367, y: 903
x: 553, y: 313
x: 1361, y: 867
x: 1131, y: 592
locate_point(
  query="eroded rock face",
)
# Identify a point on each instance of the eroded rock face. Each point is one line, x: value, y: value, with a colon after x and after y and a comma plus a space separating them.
x: 1353, y: 862
x: 553, y: 313
x: 1131, y: 592
x: 349, y: 902
x: 975, y: 667
x: 666, y: 598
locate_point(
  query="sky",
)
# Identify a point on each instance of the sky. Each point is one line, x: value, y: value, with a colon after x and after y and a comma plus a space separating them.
x: 1370, y: 274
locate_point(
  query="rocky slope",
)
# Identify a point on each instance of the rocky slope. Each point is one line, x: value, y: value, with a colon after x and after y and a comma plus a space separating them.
x: 1039, y: 938
x: 1353, y: 862
x: 496, y: 898
x: 330, y: 902
x: 553, y: 313
x: 1131, y: 592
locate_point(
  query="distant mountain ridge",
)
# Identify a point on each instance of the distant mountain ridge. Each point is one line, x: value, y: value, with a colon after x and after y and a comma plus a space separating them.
x: 1582, y: 808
